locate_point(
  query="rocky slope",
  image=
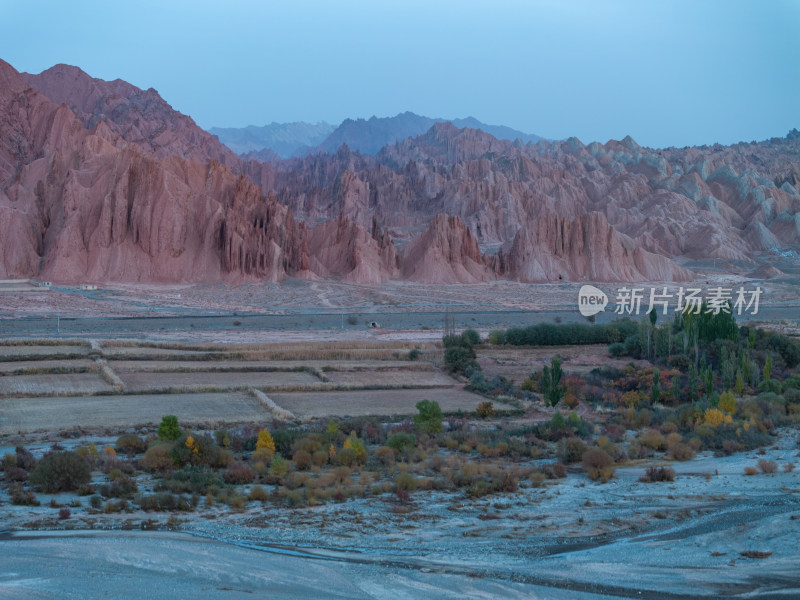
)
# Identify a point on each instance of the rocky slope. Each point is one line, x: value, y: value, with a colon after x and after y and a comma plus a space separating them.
x: 138, y: 116
x: 284, y: 139
x: 368, y: 136
x: 79, y: 204
x: 103, y: 181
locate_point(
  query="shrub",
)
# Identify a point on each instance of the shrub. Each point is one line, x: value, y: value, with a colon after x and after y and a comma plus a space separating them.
x: 21, y: 496
x: 25, y: 460
x: 347, y: 457
x: 767, y: 466
x: 158, y: 458
x: 258, y: 494
x: 471, y: 337
x: 598, y: 464
x: 750, y: 471
x: 302, y: 460
x: 64, y: 513
x: 197, y: 450
x: 497, y: 337
x: 414, y: 354
x: 616, y: 350
x: 279, y: 467
x: 429, y: 417
x: 657, y: 474
x: 570, y: 450
x: 14, y: 473
x: 485, y: 410
x: 727, y: 403
x: 385, y: 454
x: 223, y: 438
x: 682, y: 452
x: 238, y: 473
x: 61, y: 472
x: 458, y: 359
x: 653, y: 439
x: 121, y: 487
x: 130, y: 443
x: 555, y: 470
x: 169, y: 428
x: 714, y: 417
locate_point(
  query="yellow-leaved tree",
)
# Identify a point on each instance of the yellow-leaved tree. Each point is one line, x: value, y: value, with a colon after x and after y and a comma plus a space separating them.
x: 265, y: 441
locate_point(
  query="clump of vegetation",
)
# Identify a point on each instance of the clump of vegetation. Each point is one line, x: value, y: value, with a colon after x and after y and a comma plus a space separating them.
x: 658, y: 474
x: 62, y: 471
x: 169, y: 428
x: 429, y: 417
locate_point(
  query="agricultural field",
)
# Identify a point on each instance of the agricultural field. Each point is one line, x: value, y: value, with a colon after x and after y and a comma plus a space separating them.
x: 309, y: 405
x: 122, y: 384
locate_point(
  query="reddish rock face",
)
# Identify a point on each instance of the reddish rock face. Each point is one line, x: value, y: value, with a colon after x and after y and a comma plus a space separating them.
x: 446, y: 253
x: 557, y: 249
x: 87, y: 205
x: 103, y: 181
x: 140, y: 117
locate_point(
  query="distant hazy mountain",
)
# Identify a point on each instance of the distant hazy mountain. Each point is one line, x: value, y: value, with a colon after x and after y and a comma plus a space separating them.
x: 286, y: 139
x: 369, y: 136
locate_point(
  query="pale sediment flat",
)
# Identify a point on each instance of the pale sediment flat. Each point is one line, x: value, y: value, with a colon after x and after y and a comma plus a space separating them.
x: 34, y: 414
x: 374, y: 402
x: 136, y: 564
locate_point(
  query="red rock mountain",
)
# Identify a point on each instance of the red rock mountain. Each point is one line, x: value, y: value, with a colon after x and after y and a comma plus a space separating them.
x: 79, y: 204
x: 103, y: 181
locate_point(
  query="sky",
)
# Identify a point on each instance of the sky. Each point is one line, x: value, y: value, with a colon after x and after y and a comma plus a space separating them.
x: 670, y: 73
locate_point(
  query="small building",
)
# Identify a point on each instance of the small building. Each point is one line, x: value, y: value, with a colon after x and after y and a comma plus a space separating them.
x: 87, y: 287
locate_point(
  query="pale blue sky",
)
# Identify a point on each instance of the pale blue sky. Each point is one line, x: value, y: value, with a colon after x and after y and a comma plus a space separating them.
x: 667, y: 73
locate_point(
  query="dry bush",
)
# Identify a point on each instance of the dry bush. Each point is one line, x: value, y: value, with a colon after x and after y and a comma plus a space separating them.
x: 653, y: 439
x: 258, y: 494
x: 788, y: 467
x: 657, y: 474
x: 158, y: 458
x: 750, y: 471
x: 238, y: 473
x: 537, y: 479
x: 302, y: 460
x: 767, y: 466
x: 598, y: 464
x: 130, y: 443
x: 682, y: 452
x: 570, y: 450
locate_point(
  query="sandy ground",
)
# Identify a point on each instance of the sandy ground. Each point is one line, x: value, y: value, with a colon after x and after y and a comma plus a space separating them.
x: 570, y: 539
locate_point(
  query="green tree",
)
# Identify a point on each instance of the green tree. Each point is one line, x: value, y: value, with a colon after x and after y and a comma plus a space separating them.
x: 429, y: 418
x: 169, y: 428
x: 768, y: 369
x: 676, y: 389
x: 739, y: 385
x: 655, y: 391
x: 551, y: 380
